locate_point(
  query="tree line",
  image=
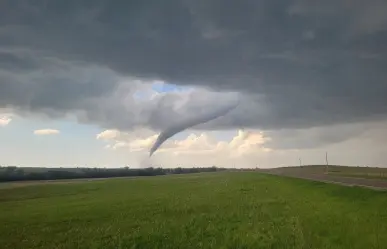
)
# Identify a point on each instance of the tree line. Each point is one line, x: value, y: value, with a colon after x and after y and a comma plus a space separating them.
x: 13, y: 173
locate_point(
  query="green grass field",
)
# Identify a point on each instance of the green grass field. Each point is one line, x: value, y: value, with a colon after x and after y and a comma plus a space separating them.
x: 213, y: 210
x: 336, y: 170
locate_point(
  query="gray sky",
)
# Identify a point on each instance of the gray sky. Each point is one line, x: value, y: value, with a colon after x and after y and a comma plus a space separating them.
x: 310, y: 75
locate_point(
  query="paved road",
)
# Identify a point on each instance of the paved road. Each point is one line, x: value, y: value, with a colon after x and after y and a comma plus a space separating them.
x: 376, y: 184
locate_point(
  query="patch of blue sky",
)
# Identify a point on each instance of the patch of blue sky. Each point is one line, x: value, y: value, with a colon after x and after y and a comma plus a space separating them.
x: 19, y: 145
x: 159, y: 87
x: 162, y: 87
x: 142, y: 95
x: 20, y: 131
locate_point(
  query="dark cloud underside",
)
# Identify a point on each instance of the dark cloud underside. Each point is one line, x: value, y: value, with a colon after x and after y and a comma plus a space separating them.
x: 310, y: 64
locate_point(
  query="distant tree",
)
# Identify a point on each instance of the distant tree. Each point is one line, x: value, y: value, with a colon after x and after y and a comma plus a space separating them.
x: 19, y: 171
x: 13, y: 173
x: 178, y: 170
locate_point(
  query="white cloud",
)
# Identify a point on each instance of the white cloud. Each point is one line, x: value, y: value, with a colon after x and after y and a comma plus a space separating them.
x: 243, y: 143
x: 46, y: 132
x: 6, y: 116
x: 5, y: 120
x: 252, y: 148
x: 108, y: 135
x: 138, y: 140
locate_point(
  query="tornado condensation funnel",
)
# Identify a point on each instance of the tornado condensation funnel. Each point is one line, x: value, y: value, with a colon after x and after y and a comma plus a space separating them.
x: 185, y: 124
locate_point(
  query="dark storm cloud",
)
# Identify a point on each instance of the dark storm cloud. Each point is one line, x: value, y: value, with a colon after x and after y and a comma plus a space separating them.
x: 315, y: 137
x: 56, y: 87
x: 310, y: 64
x: 14, y: 62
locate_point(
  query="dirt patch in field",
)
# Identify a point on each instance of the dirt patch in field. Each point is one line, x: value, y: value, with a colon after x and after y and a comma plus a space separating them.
x: 16, y: 184
x: 29, y: 183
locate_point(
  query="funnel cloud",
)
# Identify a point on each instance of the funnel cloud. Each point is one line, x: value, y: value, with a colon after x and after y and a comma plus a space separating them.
x: 185, y: 124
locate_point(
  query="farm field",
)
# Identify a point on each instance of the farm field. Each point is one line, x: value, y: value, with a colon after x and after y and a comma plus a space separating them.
x: 336, y: 170
x: 206, y: 210
x: 370, y: 177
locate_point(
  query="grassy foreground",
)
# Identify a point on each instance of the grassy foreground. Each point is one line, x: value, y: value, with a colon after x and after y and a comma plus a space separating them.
x: 209, y: 210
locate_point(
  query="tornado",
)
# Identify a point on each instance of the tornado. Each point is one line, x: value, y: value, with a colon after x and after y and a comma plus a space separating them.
x: 185, y: 124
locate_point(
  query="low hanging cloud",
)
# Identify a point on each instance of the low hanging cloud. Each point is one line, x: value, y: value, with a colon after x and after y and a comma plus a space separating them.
x: 296, y: 65
x: 46, y: 132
